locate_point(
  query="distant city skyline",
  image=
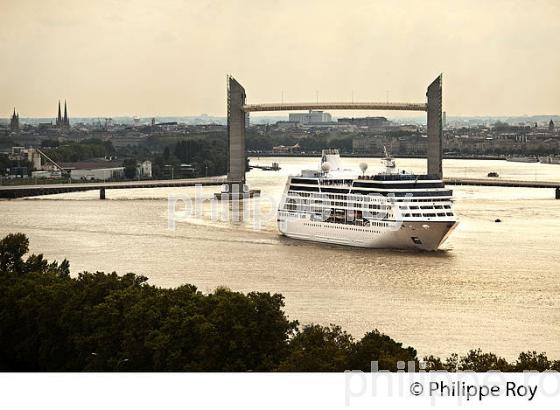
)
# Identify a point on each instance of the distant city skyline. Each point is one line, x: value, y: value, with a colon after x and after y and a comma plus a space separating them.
x: 110, y: 59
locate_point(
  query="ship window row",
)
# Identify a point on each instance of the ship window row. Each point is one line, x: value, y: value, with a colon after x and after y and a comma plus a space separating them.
x: 359, y: 205
x: 365, y: 198
x: 336, y: 182
x: 399, y: 186
x: 314, y: 192
x: 422, y: 200
x: 304, y: 181
x: 304, y: 204
x: 355, y: 215
x: 349, y: 197
x: 399, y: 177
x: 408, y: 194
x: 351, y: 228
x: 425, y: 207
x: 427, y: 215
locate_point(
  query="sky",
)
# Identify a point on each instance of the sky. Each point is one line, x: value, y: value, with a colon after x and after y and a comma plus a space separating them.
x: 171, y: 57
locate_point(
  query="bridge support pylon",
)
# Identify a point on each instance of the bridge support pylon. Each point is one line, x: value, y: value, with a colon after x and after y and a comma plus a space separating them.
x: 235, y: 188
x: 236, y: 131
x: 435, y: 128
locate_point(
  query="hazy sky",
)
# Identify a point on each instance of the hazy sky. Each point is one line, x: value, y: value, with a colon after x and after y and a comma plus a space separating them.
x: 170, y: 57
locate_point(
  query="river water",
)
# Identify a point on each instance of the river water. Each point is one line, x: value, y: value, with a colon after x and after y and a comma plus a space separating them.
x: 493, y: 285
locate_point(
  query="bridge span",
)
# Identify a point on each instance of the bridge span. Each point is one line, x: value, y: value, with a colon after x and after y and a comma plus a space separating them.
x: 501, y: 182
x: 505, y: 183
x: 23, y: 191
x: 395, y: 106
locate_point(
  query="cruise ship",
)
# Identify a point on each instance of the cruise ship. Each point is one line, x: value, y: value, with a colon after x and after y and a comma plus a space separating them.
x: 390, y: 209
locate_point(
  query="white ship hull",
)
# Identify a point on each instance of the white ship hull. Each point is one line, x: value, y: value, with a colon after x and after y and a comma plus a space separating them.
x: 420, y: 235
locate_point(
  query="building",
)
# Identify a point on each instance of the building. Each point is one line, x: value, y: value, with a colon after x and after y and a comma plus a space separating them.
x: 14, y: 122
x: 144, y: 169
x: 311, y: 117
x: 178, y: 171
x: 93, y: 174
x: 26, y: 154
x: 550, y: 125
x: 287, y: 125
x: 375, y: 144
x: 95, y: 169
x: 283, y: 149
x: 62, y: 122
x: 373, y: 122
x: 105, y: 169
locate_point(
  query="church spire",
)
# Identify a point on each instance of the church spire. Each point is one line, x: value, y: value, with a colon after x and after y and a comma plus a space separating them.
x: 66, y: 122
x: 59, y: 118
x: 14, y: 121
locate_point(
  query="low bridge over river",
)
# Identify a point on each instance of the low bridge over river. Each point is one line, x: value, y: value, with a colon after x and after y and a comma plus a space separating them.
x: 505, y: 183
x: 22, y: 191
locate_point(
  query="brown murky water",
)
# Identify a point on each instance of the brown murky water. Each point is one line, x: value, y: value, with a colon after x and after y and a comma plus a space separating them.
x: 494, y: 285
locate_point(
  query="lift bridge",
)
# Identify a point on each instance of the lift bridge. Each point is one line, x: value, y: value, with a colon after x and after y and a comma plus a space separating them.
x: 237, y: 108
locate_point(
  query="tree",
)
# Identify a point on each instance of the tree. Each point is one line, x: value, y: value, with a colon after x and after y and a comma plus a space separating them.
x: 318, y: 348
x: 532, y: 361
x: 129, y: 168
x: 12, y: 249
x: 375, y: 346
x: 477, y: 361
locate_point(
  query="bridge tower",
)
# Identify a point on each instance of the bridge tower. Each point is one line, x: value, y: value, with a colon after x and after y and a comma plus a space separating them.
x: 435, y: 128
x: 236, y: 131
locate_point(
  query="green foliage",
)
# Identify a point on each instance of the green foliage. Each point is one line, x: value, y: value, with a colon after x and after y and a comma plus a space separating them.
x: 319, y: 349
x: 106, y: 322
x: 375, y: 346
x: 534, y: 361
x: 208, y: 154
x: 129, y: 168
x: 12, y: 249
x: 50, y: 143
x: 79, y: 151
x: 477, y: 361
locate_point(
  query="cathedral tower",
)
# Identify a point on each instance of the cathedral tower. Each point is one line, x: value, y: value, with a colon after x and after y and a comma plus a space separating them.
x: 14, y: 122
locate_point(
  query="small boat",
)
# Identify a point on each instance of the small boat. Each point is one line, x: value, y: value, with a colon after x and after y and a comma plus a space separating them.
x: 493, y: 174
x: 522, y: 159
x: 550, y: 159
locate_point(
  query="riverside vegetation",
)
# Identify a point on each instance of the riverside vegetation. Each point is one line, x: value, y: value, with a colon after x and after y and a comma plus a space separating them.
x: 50, y: 321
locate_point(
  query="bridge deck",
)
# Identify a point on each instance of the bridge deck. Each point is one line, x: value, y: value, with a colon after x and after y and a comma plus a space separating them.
x: 395, y: 106
x: 20, y: 191
x: 501, y: 183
